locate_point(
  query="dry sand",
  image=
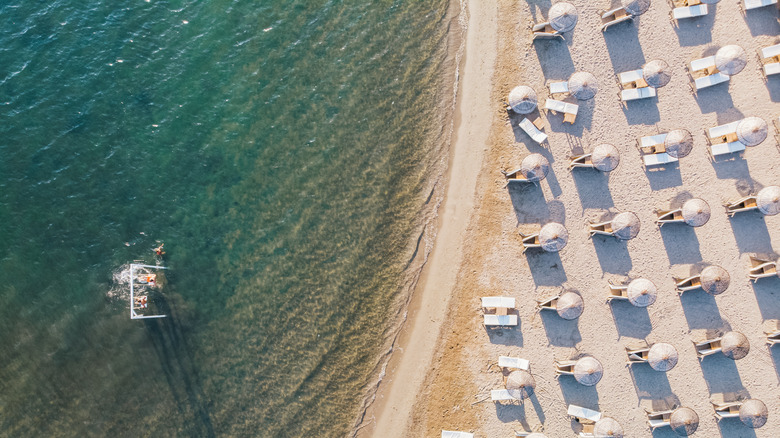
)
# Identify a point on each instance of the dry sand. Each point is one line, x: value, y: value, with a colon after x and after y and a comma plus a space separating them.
x: 463, y: 372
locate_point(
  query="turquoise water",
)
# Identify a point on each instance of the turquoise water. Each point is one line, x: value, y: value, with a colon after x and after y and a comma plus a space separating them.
x: 284, y: 152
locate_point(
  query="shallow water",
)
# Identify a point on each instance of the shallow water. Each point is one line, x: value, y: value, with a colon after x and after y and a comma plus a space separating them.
x: 282, y: 150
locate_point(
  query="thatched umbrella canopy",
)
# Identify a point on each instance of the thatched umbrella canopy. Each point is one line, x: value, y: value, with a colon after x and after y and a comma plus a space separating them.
x: 520, y: 384
x: 523, y: 99
x: 751, y: 131
x: 730, y: 59
x: 696, y: 212
x: 636, y: 7
x: 588, y: 371
x: 734, y: 345
x: 569, y: 305
x: 625, y: 225
x: 684, y: 421
x: 656, y: 73
x: 714, y: 280
x: 605, y: 157
x: 553, y: 237
x: 753, y: 413
x: 642, y: 292
x: 662, y: 357
x: 607, y: 427
x: 768, y: 200
x: 583, y: 85
x: 563, y: 17
x: 678, y: 143
x: 535, y: 167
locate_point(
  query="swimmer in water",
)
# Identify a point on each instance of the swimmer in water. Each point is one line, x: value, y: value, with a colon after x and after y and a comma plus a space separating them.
x: 159, y: 250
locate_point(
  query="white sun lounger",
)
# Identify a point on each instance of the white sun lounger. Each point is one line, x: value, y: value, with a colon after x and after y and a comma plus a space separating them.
x: 559, y: 87
x: 753, y: 4
x: 630, y: 76
x: 658, y: 159
x: 652, y: 140
x: 767, y: 53
x: 772, y: 69
x: 709, y: 81
x: 455, y: 434
x: 499, y: 320
x: 723, y: 130
x: 513, y: 362
x: 771, y: 51
x: 561, y: 107
x: 493, y: 302
x: 702, y: 63
x: 726, y: 410
x: 501, y: 395
x: 659, y: 419
x: 727, y: 148
x: 637, y: 93
x: 624, y: 16
x: 534, y: 132
x: 689, y: 11
x: 580, y: 412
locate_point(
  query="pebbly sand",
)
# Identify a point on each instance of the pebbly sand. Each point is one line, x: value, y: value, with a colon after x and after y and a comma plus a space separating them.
x: 455, y: 393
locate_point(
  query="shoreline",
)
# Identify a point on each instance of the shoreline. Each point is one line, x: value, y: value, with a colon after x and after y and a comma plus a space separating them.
x: 417, y: 343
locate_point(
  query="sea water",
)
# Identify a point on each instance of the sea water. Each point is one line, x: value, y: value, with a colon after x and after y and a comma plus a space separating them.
x: 285, y: 152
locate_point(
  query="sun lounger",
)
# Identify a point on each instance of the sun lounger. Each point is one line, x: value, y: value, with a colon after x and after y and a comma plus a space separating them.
x: 501, y: 395
x: 689, y: 11
x: 613, y: 17
x: 580, y: 413
x: 545, y: 31
x: 454, y: 434
x: 726, y: 410
x: 496, y: 302
x: 754, y: 4
x: 659, y: 418
x: 686, y: 284
x: 770, y: 58
x: 702, y: 64
x: 762, y: 268
x: 559, y: 87
x: 707, y: 348
x: 709, y: 81
x: 727, y: 148
x: 632, y: 79
x: 534, y: 132
x: 652, y: 148
x: 773, y: 335
x: 617, y: 291
x: 564, y: 368
x: 500, y: 320
x: 637, y: 93
x: 772, y: 69
x: 658, y: 159
x: 568, y: 109
x: 513, y: 363
x: 724, y: 133
x: 745, y: 204
x: 710, y: 74
x: 637, y: 355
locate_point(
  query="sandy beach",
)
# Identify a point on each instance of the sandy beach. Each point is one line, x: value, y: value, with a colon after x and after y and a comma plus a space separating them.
x: 444, y: 366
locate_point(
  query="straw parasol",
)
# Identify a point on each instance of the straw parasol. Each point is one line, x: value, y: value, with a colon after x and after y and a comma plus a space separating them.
x: 714, y: 280
x: 607, y: 427
x: 605, y: 157
x: 569, y: 305
x: 662, y: 357
x: 588, y: 371
x: 636, y: 7
x: 535, y: 167
x: 656, y: 73
x: 678, y: 143
x: 563, y: 16
x: 625, y: 226
x: 642, y: 292
x: 684, y: 421
x: 730, y: 59
x: 583, y: 85
x: 753, y: 413
x: 553, y: 237
x: 734, y: 345
x: 696, y: 212
x: 523, y: 99
x: 520, y: 384
x: 752, y: 131
x: 768, y: 200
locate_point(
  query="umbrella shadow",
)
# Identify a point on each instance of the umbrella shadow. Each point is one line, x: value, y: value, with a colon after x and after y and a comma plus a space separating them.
x: 593, y: 188
x: 509, y: 412
x: 715, y: 99
x: 630, y: 321
x: 577, y: 394
x: 542, y: 5
x: 751, y: 232
x: 642, y: 111
x: 767, y: 291
x: 773, y: 84
x: 554, y: 59
x: 731, y: 166
x: 546, y: 267
x: 510, y: 336
x: 651, y: 384
x: 761, y: 23
x: 735, y: 427
x: 664, y: 176
x: 701, y: 311
x: 625, y: 51
x: 560, y: 332
x: 681, y: 243
x: 774, y: 352
x: 721, y: 374
x: 528, y: 202
x: 612, y: 254
x: 695, y: 31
